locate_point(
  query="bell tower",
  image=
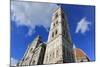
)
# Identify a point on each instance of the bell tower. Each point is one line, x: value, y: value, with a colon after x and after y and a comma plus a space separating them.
x: 59, y: 47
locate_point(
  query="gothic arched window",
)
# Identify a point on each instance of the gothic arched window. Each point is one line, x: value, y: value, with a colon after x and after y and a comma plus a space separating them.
x: 53, y: 54
x: 56, y: 15
x: 54, y: 25
x: 57, y: 22
x: 50, y: 57
x: 52, y: 34
x: 56, y: 32
x: 56, y: 53
x: 33, y: 61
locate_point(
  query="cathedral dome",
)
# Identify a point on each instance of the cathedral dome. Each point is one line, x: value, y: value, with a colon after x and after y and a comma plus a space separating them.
x: 80, y: 55
x: 79, y: 52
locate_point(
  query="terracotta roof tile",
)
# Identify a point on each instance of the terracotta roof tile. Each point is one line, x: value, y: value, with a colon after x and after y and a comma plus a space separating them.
x: 79, y: 52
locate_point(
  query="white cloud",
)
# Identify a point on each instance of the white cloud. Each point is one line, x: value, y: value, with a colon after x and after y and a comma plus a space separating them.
x: 32, y: 14
x: 74, y: 46
x: 14, y: 61
x: 82, y: 26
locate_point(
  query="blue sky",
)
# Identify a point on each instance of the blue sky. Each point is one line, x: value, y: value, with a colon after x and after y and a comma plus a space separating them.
x: 29, y: 19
